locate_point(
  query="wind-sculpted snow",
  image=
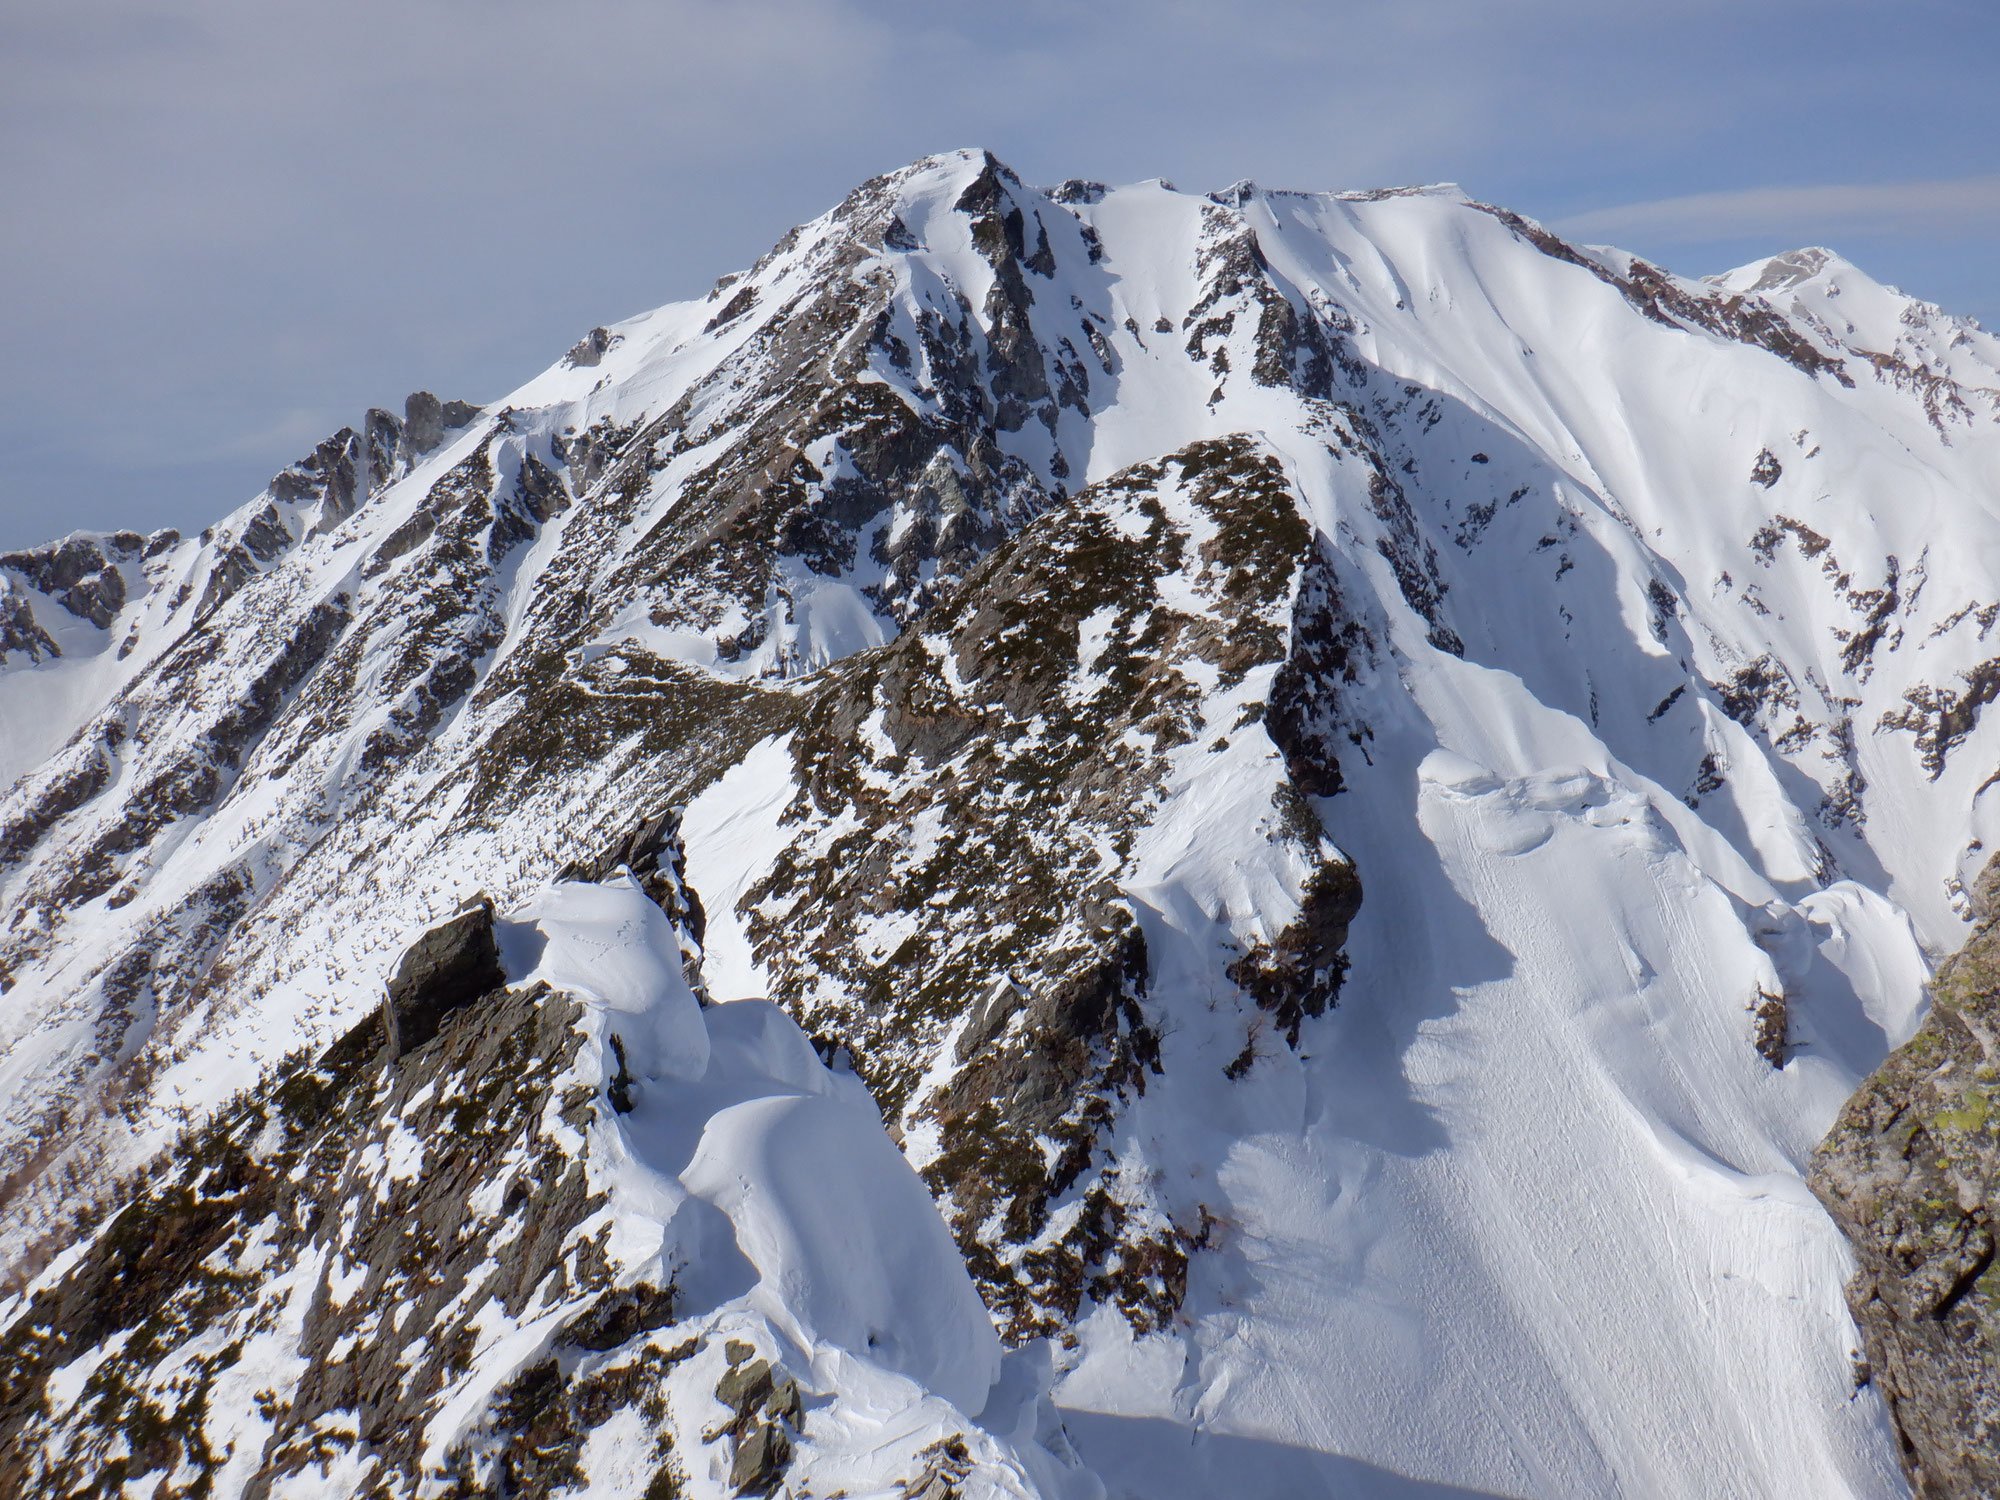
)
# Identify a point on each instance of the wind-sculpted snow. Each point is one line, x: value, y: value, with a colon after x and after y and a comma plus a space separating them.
x: 1356, y: 783
x: 542, y: 1252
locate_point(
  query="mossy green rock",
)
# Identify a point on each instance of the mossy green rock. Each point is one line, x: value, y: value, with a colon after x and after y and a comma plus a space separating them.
x: 1909, y: 1173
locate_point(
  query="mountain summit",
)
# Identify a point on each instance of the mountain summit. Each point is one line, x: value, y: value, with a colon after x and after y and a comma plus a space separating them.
x: 1076, y: 842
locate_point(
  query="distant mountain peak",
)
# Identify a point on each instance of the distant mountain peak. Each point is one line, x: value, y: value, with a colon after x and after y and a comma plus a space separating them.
x: 1778, y: 272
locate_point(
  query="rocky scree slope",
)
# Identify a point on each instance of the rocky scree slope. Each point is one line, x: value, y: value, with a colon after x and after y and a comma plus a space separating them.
x: 1052, y: 610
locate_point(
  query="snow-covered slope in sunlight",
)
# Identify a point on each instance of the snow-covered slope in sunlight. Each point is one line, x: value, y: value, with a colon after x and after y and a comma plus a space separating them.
x: 1354, y: 783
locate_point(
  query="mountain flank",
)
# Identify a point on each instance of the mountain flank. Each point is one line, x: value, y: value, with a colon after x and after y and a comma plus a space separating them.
x: 1064, y: 842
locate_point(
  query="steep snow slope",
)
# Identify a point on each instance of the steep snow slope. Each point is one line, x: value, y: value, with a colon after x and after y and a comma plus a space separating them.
x: 1056, y: 610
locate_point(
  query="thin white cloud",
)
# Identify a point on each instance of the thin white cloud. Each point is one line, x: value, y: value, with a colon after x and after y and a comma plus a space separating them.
x: 1953, y: 206
x: 222, y: 213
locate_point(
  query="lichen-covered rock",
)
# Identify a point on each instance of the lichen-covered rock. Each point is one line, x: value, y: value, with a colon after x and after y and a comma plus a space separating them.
x: 1911, y: 1172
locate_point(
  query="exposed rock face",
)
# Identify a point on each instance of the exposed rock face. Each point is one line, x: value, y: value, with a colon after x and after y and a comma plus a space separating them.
x: 426, y: 420
x: 1298, y: 976
x: 20, y: 632
x: 1032, y: 721
x: 446, y: 969
x: 590, y: 349
x: 413, y: 1265
x: 270, y: 1216
x: 653, y: 853
x: 1912, y: 1174
x: 82, y: 573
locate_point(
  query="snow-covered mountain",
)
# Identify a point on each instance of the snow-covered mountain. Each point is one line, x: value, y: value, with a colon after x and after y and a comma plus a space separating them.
x: 1354, y: 784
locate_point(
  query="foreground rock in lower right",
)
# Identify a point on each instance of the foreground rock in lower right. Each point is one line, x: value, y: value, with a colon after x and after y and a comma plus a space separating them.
x: 1910, y: 1173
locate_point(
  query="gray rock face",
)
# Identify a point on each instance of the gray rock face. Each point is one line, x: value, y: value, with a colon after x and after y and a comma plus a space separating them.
x: 426, y: 420
x: 385, y: 447
x: 423, y: 421
x: 336, y: 473
x: 446, y: 969
x: 20, y: 632
x: 1911, y: 1173
x: 589, y: 350
x: 81, y: 573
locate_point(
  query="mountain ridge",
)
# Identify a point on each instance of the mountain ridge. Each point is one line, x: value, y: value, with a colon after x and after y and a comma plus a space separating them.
x: 1054, y: 611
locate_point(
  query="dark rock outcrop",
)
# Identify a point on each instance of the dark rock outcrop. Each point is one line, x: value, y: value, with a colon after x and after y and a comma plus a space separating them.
x: 426, y: 420
x: 1298, y: 976
x: 1654, y: 292
x: 336, y: 473
x: 81, y: 573
x: 423, y: 421
x: 1043, y: 747
x: 1911, y: 1173
x: 351, y: 467
x: 652, y: 851
x: 20, y: 632
x: 765, y: 1412
x: 444, y: 970
x: 285, y: 1169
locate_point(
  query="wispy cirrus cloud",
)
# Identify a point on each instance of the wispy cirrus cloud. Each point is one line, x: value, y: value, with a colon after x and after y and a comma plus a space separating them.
x: 232, y: 225
x: 1948, y: 206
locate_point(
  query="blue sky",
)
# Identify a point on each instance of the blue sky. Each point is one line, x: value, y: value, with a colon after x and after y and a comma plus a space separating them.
x: 232, y: 225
